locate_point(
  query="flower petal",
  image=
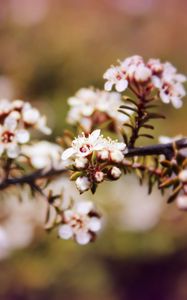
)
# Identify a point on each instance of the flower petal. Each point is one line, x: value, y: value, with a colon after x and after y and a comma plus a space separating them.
x: 67, y: 153
x: 94, y: 224
x: 13, y: 150
x: 82, y: 237
x: 121, y: 85
x: 65, y: 232
x: 94, y: 135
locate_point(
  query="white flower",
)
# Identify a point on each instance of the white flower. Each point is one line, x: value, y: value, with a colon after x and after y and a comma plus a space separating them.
x: 83, y: 184
x: 90, y: 107
x: 183, y: 176
x: 171, y: 87
x: 44, y: 155
x: 31, y: 115
x: 182, y: 202
x: 155, y: 65
x: 163, y: 76
x: 80, y: 222
x: 114, y: 76
x: 115, y: 149
x: 84, y: 146
x: 25, y: 114
x: 5, y: 106
x: 41, y: 125
x: 11, y: 137
x: 115, y: 172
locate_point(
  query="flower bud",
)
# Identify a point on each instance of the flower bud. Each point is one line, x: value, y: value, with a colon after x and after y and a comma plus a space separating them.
x: 83, y: 184
x: 81, y: 162
x: 182, y: 202
x: 142, y: 74
x: 115, y: 172
x: 99, y: 176
x: 183, y: 176
x: 103, y: 155
x: 116, y: 156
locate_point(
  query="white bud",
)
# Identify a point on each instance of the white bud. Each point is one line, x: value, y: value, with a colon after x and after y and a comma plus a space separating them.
x: 94, y: 224
x: 115, y: 172
x: 65, y: 232
x: 22, y: 136
x: 142, y: 73
x: 83, y: 184
x: 15, y: 114
x: 183, y: 175
x: 31, y: 116
x: 116, y: 156
x: 81, y: 162
x: 82, y: 237
x: 182, y: 202
x: 104, y: 155
x: 99, y: 176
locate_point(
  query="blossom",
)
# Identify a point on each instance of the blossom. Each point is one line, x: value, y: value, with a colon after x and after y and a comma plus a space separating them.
x: 115, y: 149
x: 26, y: 115
x: 91, y: 107
x: 84, y: 146
x: 11, y: 137
x: 115, y: 76
x: 161, y: 76
x: 80, y: 222
x: 44, y: 154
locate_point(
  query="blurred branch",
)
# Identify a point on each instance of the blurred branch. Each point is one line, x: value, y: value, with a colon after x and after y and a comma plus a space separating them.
x: 30, y: 179
x: 165, y: 149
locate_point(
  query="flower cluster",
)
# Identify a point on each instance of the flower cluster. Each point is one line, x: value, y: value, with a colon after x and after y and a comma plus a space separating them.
x: 80, y: 221
x: 16, y: 118
x: 91, y: 108
x: 95, y: 158
x: 135, y: 73
x: 43, y: 155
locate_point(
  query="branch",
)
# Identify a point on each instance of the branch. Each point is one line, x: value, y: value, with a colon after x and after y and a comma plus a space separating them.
x: 165, y: 149
x: 30, y: 178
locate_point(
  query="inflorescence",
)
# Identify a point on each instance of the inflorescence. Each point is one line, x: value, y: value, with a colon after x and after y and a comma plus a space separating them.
x: 101, y: 146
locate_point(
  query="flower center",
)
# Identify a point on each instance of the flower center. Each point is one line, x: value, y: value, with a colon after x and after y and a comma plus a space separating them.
x: 85, y: 148
x: 7, y: 137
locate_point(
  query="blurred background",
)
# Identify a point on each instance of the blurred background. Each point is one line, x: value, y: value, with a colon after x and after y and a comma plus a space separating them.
x: 48, y: 50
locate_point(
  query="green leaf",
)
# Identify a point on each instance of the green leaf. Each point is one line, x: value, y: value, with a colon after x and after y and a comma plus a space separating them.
x: 75, y: 175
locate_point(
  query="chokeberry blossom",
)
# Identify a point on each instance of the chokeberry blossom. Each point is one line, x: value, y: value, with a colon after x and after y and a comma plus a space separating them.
x: 80, y: 222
